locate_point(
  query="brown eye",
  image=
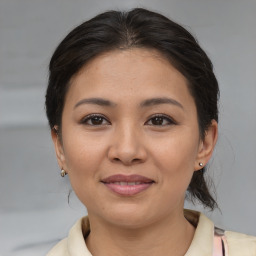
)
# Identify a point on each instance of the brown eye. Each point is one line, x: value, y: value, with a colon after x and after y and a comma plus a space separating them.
x: 95, y: 120
x: 157, y: 120
x: 160, y: 120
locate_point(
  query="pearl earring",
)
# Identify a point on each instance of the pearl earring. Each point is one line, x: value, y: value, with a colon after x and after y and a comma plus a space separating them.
x: 200, y: 164
x: 63, y: 173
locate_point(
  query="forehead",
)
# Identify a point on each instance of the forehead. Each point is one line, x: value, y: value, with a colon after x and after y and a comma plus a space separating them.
x: 132, y: 69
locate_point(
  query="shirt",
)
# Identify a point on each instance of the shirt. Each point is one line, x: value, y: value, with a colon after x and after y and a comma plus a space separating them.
x: 208, y: 240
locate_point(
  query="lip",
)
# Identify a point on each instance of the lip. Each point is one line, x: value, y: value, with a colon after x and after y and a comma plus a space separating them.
x: 127, y: 185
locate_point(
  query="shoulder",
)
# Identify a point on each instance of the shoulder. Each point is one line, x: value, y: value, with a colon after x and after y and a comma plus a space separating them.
x: 236, y: 244
x: 240, y: 244
x: 74, y: 244
x: 60, y: 249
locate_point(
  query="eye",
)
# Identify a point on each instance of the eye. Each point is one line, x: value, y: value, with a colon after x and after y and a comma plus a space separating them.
x: 95, y: 120
x: 160, y: 120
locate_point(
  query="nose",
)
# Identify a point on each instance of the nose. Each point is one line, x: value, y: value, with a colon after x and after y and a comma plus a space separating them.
x: 127, y: 146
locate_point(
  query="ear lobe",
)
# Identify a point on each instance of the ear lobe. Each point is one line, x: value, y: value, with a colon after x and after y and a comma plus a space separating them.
x: 207, y: 146
x: 58, y: 148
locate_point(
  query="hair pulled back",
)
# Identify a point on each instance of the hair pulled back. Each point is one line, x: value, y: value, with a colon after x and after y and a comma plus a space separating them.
x: 138, y: 28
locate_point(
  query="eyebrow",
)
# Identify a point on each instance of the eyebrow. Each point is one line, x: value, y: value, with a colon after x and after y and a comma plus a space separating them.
x: 158, y: 101
x: 145, y: 103
x: 96, y: 101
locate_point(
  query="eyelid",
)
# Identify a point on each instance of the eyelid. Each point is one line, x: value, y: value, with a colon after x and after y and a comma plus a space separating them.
x: 164, y: 116
x: 88, y: 117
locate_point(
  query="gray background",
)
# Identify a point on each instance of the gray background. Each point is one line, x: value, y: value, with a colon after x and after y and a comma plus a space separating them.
x: 34, y: 209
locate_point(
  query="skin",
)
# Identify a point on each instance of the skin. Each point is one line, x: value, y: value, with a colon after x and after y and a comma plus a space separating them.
x: 129, y: 140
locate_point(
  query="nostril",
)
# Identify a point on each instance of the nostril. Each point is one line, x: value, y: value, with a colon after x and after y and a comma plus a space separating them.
x: 127, y: 161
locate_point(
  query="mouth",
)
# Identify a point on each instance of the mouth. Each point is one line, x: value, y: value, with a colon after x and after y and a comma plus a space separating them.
x: 127, y: 185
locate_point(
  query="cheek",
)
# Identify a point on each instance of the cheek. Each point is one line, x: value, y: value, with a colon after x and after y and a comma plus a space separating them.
x: 83, y: 159
x: 176, y: 158
x: 180, y: 148
x: 82, y: 154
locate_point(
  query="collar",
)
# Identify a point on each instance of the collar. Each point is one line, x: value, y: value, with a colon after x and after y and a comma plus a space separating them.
x: 202, y: 243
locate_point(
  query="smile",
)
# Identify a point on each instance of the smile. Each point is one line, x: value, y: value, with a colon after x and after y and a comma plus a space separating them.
x: 127, y: 185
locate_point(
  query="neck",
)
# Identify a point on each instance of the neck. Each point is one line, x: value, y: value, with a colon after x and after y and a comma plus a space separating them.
x: 171, y: 236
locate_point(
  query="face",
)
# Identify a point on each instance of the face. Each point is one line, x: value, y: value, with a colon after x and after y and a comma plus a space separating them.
x: 130, y: 138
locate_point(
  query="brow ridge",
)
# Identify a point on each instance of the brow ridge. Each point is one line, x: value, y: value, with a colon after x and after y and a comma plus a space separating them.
x: 161, y: 100
x: 96, y: 101
x: 145, y: 103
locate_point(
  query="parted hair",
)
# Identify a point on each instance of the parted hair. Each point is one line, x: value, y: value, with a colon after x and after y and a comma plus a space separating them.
x: 138, y: 28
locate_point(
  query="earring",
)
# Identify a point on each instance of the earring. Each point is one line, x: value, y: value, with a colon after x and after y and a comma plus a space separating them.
x: 200, y: 164
x: 63, y: 173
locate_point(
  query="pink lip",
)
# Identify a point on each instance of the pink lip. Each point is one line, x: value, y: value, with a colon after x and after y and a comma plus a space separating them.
x: 135, y: 184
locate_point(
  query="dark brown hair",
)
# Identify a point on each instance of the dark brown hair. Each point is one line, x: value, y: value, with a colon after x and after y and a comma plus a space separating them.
x: 138, y: 28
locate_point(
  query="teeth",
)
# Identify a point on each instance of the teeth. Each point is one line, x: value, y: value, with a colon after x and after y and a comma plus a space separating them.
x: 124, y: 183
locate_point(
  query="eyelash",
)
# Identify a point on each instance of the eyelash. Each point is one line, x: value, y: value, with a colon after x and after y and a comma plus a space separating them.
x: 164, y: 117
x: 90, y: 117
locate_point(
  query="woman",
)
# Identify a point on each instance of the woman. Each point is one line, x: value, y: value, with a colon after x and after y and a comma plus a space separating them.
x: 132, y: 105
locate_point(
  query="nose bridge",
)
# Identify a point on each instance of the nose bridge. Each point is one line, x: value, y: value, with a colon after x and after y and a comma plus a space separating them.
x: 127, y: 145
x: 127, y: 134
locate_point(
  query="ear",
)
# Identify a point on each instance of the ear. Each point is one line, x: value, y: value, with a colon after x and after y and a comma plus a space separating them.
x: 206, y: 146
x: 58, y: 148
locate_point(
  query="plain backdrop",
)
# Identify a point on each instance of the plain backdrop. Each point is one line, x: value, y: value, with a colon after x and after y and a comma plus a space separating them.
x: 34, y: 208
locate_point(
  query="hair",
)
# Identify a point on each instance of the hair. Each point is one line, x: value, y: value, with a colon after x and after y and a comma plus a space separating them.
x: 138, y: 28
